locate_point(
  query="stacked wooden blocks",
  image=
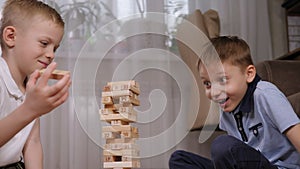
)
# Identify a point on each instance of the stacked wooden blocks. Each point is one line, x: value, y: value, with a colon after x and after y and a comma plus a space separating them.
x: 118, y: 101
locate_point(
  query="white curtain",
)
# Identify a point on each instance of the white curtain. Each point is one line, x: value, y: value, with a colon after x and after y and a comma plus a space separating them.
x: 71, y: 134
x: 261, y: 23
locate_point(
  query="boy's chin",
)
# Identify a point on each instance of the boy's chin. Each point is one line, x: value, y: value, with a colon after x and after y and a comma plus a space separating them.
x: 227, y: 109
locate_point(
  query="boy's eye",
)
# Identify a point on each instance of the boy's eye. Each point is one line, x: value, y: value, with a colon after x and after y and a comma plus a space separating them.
x: 207, y: 84
x: 223, y: 80
x: 44, y: 43
x: 54, y: 50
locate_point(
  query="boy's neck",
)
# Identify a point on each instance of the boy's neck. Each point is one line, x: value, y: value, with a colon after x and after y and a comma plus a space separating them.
x: 17, y: 77
x: 246, y: 104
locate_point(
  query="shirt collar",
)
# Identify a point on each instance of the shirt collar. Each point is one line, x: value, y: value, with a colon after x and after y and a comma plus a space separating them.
x: 247, y: 103
x: 8, y: 80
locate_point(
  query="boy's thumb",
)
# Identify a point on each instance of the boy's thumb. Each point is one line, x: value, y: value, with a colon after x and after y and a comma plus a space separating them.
x: 33, y: 78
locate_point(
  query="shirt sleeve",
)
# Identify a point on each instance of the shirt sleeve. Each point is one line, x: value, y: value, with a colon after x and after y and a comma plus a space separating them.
x: 1, y: 97
x: 275, y: 105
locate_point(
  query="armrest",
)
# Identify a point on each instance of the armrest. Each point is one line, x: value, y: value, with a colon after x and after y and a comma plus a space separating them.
x: 285, y: 74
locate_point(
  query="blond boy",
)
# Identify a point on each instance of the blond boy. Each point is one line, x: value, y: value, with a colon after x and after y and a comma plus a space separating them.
x: 31, y: 31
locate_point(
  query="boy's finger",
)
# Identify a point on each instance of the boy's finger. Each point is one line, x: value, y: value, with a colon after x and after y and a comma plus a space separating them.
x: 59, y: 85
x: 33, y: 78
x: 61, y: 96
x: 47, y: 73
x: 62, y: 91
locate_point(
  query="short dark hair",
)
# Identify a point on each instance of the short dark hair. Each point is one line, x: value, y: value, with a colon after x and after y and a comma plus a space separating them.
x: 230, y: 49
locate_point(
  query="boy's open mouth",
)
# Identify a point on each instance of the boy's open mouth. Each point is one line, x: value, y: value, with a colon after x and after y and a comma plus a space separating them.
x: 222, y: 101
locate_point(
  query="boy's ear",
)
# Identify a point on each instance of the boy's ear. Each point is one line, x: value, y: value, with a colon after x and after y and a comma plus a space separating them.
x: 9, y: 36
x: 250, y: 73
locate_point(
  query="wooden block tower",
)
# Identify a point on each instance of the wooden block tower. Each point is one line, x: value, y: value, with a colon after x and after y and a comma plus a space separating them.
x: 118, y: 100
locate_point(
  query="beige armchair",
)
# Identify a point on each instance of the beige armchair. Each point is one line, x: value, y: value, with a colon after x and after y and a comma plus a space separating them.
x: 209, y: 24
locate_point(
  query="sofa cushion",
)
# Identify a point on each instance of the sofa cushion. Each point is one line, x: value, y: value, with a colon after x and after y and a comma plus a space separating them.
x: 283, y: 73
x: 212, y: 23
x: 209, y: 24
x: 197, y: 19
x: 295, y: 101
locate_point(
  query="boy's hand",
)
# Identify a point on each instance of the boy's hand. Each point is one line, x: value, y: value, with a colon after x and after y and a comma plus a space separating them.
x: 42, y: 98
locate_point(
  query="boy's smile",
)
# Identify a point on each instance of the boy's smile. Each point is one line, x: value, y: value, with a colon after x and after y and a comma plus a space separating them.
x: 225, y: 86
x: 44, y: 63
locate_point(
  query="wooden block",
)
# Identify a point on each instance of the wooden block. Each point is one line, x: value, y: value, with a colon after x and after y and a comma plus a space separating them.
x: 122, y: 164
x: 112, y: 117
x: 122, y: 152
x: 119, y: 128
x: 119, y: 146
x: 122, y: 140
x: 111, y: 135
x: 124, y: 131
x: 117, y: 106
x: 127, y: 158
x: 127, y: 99
x: 107, y: 100
x: 128, y: 109
x: 122, y: 83
x: 127, y: 117
x: 118, y: 134
x: 129, y: 134
x: 111, y: 158
x: 117, y: 93
x: 106, y: 88
x: 111, y: 106
x: 129, y: 82
x: 106, y: 111
x: 125, y: 104
x: 118, y: 87
x: 56, y: 74
x: 118, y: 122
x: 118, y: 109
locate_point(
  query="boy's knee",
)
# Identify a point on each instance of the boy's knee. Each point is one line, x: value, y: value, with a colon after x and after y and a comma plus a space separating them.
x: 186, y: 160
x: 178, y: 154
x: 221, y: 146
x: 176, y: 157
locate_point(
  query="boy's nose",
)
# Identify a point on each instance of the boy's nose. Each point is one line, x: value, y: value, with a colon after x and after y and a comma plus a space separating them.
x: 216, y: 92
x: 50, y: 55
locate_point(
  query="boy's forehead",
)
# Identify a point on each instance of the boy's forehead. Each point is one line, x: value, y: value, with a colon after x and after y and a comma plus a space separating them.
x: 38, y: 18
x: 212, y: 68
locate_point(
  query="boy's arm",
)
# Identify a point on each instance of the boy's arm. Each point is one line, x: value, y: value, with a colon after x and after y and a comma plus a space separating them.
x: 13, y: 123
x: 293, y: 134
x: 33, y: 153
x: 40, y: 99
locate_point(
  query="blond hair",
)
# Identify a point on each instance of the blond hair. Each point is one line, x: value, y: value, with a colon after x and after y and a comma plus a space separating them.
x: 16, y: 12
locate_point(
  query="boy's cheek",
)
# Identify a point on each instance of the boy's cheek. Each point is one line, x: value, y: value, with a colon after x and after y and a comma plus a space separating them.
x: 207, y: 94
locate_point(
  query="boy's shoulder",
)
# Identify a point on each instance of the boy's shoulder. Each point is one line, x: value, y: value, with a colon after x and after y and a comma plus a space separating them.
x: 2, y: 77
x: 268, y: 91
x: 6, y: 80
x: 264, y: 86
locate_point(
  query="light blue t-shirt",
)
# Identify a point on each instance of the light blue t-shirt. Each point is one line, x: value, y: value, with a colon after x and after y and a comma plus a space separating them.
x: 269, y: 115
